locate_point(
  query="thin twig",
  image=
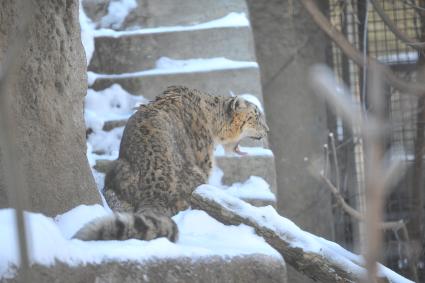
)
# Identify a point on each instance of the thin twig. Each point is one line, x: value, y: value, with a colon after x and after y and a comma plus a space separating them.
x: 387, y: 225
x: 413, y: 5
x: 335, y: 158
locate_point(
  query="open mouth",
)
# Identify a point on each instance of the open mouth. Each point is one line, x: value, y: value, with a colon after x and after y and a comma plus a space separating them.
x: 238, y: 151
x: 256, y: 138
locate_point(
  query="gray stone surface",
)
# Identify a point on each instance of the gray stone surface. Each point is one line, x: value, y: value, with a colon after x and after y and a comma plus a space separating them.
x: 251, y: 268
x: 222, y: 82
x: 239, y: 169
x: 287, y: 45
x: 154, y: 13
x: 133, y: 53
x: 48, y: 94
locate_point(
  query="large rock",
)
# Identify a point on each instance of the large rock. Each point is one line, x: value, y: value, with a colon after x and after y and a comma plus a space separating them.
x: 251, y: 268
x: 47, y: 102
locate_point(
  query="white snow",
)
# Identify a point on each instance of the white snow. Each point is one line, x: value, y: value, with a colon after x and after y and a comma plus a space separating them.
x: 113, y: 103
x: 106, y: 143
x: 49, y: 240
x: 117, y: 12
x: 253, y: 188
x: 87, y: 29
x: 231, y: 20
x: 254, y: 100
x: 268, y: 217
x: 395, y: 58
x: 166, y: 66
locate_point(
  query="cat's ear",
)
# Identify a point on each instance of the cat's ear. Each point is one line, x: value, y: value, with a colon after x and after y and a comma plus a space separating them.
x: 238, y: 103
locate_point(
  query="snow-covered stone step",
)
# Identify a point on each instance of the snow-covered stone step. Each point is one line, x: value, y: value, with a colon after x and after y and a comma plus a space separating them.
x: 124, y: 52
x: 154, y: 13
x: 238, y: 168
x: 220, y: 81
x: 244, y: 268
x: 206, y: 251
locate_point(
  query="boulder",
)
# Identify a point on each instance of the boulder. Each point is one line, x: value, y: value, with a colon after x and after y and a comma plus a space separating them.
x: 47, y: 94
x: 247, y: 268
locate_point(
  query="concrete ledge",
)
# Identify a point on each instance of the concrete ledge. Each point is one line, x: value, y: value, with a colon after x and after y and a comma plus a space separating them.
x: 250, y: 268
x: 221, y: 82
x: 154, y: 13
x: 131, y: 53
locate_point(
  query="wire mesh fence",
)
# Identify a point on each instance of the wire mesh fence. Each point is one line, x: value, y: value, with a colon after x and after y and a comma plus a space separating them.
x: 365, y: 29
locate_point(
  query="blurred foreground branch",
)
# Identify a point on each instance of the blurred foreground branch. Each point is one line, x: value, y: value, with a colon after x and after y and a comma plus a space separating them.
x: 12, y: 170
x: 393, y: 175
x: 379, y: 171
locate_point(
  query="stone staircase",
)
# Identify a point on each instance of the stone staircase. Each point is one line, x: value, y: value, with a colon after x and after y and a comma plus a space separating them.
x: 182, y: 31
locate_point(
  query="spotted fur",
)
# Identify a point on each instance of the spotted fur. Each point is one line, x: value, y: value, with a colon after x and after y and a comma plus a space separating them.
x: 166, y: 152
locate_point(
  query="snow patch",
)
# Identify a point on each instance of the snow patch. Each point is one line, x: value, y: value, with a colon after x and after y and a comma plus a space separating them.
x: 113, y: 103
x: 49, y: 240
x: 117, y: 12
x: 253, y: 188
x: 166, y: 66
x: 254, y: 100
x: 106, y: 143
x: 395, y: 58
x: 267, y: 217
x: 87, y: 29
x: 229, y: 21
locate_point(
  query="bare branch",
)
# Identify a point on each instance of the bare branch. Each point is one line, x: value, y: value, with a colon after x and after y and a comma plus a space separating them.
x: 335, y: 158
x: 279, y: 233
x: 388, y: 225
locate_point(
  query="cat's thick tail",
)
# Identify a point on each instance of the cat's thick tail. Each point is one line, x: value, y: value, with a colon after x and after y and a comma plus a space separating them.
x: 146, y: 225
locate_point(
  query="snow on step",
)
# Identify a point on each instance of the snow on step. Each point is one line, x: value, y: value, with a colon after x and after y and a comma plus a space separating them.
x: 154, y: 13
x: 49, y: 240
x: 141, y: 51
x: 220, y: 82
x: 167, y: 66
x: 113, y: 103
x: 240, y: 168
x: 219, y: 76
x: 254, y: 188
x: 231, y: 20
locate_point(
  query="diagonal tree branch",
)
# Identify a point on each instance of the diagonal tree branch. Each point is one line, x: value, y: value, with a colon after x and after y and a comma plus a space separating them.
x: 320, y: 264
